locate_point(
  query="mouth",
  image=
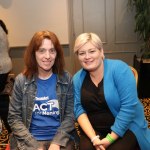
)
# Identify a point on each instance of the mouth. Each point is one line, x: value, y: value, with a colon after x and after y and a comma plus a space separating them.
x: 88, y: 62
x: 47, y: 62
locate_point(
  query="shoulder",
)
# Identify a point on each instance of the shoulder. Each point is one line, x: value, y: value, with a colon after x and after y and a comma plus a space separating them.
x: 19, y: 81
x: 79, y: 77
x: 20, y: 78
x: 118, y: 70
x: 80, y: 74
x: 65, y: 77
x: 115, y: 65
x: 115, y: 62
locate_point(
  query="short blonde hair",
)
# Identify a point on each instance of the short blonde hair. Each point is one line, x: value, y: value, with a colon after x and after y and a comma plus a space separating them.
x: 84, y: 38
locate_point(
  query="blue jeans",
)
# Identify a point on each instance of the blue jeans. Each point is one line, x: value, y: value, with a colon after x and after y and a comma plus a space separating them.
x: 46, y: 144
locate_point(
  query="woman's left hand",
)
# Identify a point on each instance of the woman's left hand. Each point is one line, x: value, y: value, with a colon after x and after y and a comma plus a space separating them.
x: 105, y: 142
x: 100, y: 147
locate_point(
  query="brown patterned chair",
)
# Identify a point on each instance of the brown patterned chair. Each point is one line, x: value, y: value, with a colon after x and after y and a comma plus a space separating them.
x: 135, y: 74
x: 4, y: 100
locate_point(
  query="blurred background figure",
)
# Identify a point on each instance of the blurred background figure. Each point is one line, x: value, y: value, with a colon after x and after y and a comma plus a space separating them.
x: 5, y: 68
x: 5, y: 60
x: 0, y: 125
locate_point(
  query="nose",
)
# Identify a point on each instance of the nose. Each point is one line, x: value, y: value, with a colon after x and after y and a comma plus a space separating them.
x: 87, y: 55
x: 47, y: 54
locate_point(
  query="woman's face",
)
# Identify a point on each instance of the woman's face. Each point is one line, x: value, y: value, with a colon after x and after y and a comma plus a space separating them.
x: 45, y: 57
x: 90, y: 57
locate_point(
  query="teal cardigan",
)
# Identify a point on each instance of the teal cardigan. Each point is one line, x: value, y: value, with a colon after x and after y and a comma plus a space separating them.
x: 120, y: 92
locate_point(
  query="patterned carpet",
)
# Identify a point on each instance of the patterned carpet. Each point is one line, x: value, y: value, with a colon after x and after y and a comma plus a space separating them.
x: 3, y: 138
x: 146, y: 104
x: 4, y: 135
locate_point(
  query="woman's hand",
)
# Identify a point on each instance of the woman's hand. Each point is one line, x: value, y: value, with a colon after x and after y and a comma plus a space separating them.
x: 98, y: 145
x: 54, y: 147
x: 109, y: 139
x: 105, y: 142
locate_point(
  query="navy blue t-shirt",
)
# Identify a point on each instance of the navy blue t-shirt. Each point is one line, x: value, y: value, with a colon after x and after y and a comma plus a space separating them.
x: 45, y: 118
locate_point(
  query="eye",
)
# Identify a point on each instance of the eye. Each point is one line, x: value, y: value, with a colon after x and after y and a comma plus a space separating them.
x: 92, y: 51
x: 41, y: 50
x: 81, y: 53
x: 52, y: 50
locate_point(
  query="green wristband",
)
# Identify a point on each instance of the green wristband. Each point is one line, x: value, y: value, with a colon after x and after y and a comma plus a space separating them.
x: 109, y: 138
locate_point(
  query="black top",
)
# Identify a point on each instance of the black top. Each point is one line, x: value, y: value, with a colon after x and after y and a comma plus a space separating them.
x: 93, y: 101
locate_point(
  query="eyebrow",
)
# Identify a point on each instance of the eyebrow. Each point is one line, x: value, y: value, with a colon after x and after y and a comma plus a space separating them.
x: 46, y: 49
x: 88, y: 49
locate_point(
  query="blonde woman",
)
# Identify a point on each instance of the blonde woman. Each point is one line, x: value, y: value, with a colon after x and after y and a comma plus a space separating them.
x: 107, y: 107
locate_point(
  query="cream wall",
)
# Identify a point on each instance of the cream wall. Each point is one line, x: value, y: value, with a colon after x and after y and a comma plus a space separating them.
x: 25, y: 17
x: 110, y: 19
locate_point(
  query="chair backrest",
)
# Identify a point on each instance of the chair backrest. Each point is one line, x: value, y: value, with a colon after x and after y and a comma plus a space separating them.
x: 135, y: 74
x: 9, y: 84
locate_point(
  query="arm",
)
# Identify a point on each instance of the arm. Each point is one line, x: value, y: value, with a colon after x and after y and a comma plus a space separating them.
x: 109, y: 139
x: 122, y: 101
x: 77, y: 83
x: 19, y: 130
x: 86, y: 125
x: 89, y: 131
x: 67, y: 123
x: 127, y: 92
x: 80, y: 113
x: 78, y: 109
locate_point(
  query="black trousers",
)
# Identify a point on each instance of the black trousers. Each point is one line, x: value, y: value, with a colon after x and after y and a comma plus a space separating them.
x: 4, y: 107
x: 127, y: 142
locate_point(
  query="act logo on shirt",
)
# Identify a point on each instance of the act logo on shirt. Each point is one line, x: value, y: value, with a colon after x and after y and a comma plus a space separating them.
x: 44, y: 106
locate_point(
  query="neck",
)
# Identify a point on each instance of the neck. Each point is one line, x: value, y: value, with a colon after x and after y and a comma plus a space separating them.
x: 97, y: 75
x: 45, y: 76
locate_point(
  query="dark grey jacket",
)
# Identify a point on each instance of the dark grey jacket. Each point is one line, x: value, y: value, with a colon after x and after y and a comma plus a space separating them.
x: 21, y: 106
x: 5, y: 60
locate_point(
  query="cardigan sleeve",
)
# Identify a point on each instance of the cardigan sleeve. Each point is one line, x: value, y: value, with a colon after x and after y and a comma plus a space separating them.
x: 126, y: 87
x: 77, y: 82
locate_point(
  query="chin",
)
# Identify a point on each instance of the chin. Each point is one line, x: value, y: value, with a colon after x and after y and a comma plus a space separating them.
x: 88, y: 69
x: 47, y: 69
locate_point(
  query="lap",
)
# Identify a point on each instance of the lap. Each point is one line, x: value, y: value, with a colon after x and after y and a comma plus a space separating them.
x: 70, y: 146
x: 127, y: 142
x: 45, y: 145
